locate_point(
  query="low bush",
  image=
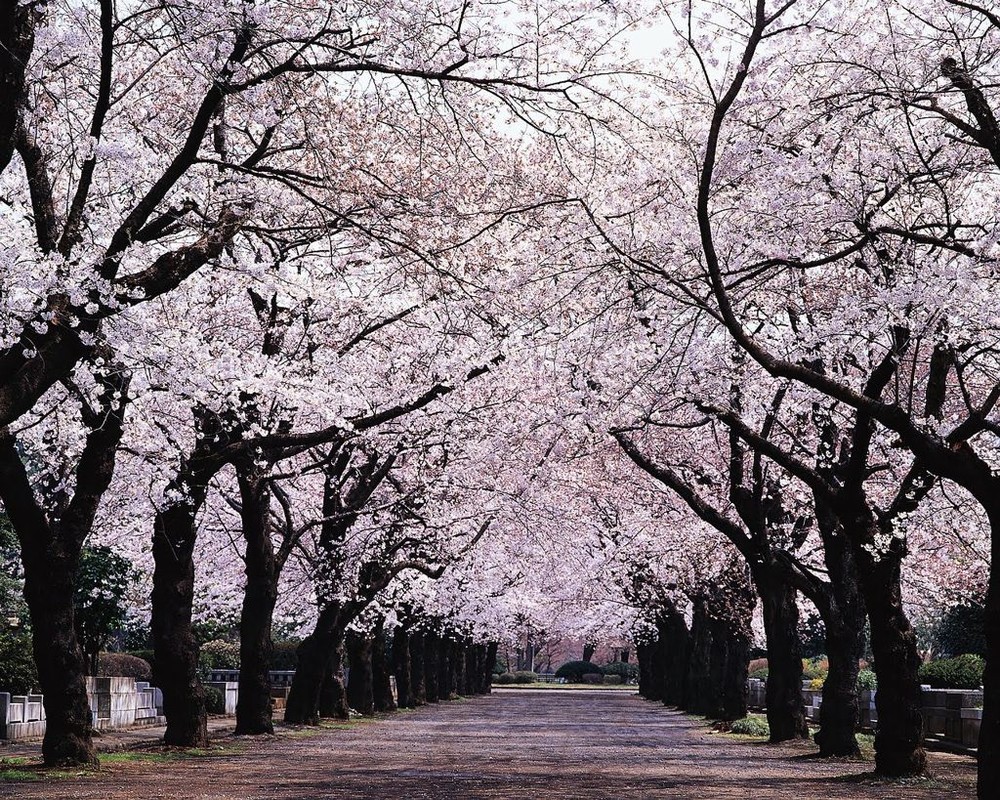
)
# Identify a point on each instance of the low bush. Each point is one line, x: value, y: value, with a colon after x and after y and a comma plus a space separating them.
x: 759, y: 673
x: 813, y: 668
x: 816, y: 684
x: 573, y: 671
x: 525, y: 677
x: 961, y: 672
x: 751, y: 726
x: 612, y: 680
x: 627, y: 672
x: 867, y: 680
x: 504, y: 678
x: 215, y: 701
x: 123, y: 664
x: 592, y: 677
x: 146, y: 655
x: 219, y: 654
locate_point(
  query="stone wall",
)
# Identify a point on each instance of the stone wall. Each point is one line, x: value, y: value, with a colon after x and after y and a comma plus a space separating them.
x: 951, y: 716
x: 115, y: 702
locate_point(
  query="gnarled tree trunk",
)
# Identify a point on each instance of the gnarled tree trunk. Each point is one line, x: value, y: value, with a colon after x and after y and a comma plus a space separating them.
x: 401, y: 666
x: 360, y: 684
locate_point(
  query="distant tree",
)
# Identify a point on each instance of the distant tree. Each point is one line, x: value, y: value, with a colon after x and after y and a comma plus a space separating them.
x: 103, y: 580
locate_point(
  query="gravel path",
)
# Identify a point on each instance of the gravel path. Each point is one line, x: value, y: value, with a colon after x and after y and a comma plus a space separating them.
x: 523, y: 744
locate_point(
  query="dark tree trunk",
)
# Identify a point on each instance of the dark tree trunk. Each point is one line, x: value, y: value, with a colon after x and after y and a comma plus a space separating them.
x: 644, y: 656
x: 701, y: 695
x: 658, y: 662
x: 989, y: 732
x: 48, y: 590
x: 489, y: 663
x: 175, y: 666
x: 333, y: 692
x: 313, y: 664
x: 418, y: 659
x: 731, y: 648
x: 51, y: 544
x: 50, y: 565
x: 843, y: 612
x: 898, y: 739
x: 588, y: 651
x: 676, y: 661
x: 381, y: 673
x: 432, y: 648
x: 471, y: 656
x: 785, y: 714
x: 401, y: 666
x: 253, y: 709
x: 446, y: 668
x: 360, y: 685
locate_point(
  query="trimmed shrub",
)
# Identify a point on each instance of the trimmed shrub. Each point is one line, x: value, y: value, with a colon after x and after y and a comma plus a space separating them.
x: 219, y: 654
x: 146, y: 655
x: 592, y: 677
x: 573, y: 671
x: 124, y: 665
x: 867, y: 680
x: 961, y: 672
x: 816, y: 684
x: 504, y: 678
x: 627, y: 672
x: 611, y: 680
x: 525, y: 677
x: 813, y: 668
x: 757, y: 668
x: 215, y: 701
x: 751, y: 726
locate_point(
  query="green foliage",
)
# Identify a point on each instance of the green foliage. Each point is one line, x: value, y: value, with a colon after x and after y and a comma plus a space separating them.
x: 504, y: 678
x: 525, y: 677
x: 751, y: 726
x: 219, y: 654
x: 816, y: 684
x: 592, y: 677
x: 867, y: 680
x: 285, y: 654
x: 815, y: 668
x: 812, y: 635
x: 123, y: 664
x: 215, y: 701
x: 103, y: 579
x: 573, y: 671
x: 961, y: 672
x: 757, y: 668
x: 149, y: 656
x: 961, y: 629
x: 627, y: 672
x: 611, y: 680
x: 18, y: 674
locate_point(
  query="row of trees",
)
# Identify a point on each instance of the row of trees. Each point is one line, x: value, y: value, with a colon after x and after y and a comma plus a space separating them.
x: 385, y: 312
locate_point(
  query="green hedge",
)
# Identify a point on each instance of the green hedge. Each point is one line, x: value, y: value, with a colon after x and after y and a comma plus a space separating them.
x: 525, y: 677
x: 573, y: 671
x: 124, y: 664
x: 961, y: 672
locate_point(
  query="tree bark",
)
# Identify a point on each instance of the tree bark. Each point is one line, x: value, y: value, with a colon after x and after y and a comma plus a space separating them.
x: 676, y: 660
x: 418, y: 681
x: 785, y: 714
x: 446, y: 668
x: 253, y: 709
x: 644, y: 656
x: 842, y: 609
x: 898, y: 740
x: 489, y: 663
x: 988, y: 783
x: 175, y: 667
x: 313, y: 664
x: 701, y: 694
x: 360, y: 681
x: 432, y: 647
x: 333, y: 691
x: 381, y: 673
